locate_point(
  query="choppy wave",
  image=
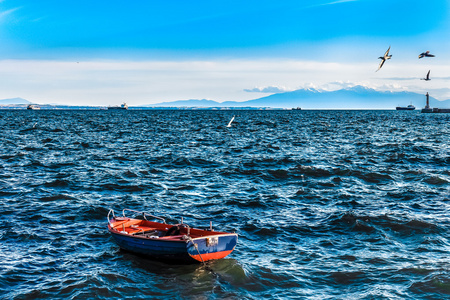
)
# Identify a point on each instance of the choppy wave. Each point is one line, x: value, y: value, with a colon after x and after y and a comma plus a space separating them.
x: 327, y: 204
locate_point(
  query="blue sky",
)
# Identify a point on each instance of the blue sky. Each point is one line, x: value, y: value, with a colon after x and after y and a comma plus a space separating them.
x: 142, y: 52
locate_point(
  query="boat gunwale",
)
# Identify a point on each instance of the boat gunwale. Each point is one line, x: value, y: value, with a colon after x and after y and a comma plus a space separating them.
x: 191, y: 238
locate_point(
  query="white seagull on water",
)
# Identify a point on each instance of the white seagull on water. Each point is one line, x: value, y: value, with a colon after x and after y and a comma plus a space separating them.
x: 384, y: 58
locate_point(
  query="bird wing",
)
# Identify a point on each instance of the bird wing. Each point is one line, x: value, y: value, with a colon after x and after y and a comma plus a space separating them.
x: 387, y: 52
x: 229, y: 124
x: 381, y: 64
x: 428, y: 74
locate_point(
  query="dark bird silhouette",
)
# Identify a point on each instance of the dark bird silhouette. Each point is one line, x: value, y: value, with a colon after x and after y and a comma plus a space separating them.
x: 426, y: 78
x: 425, y: 54
x: 384, y: 58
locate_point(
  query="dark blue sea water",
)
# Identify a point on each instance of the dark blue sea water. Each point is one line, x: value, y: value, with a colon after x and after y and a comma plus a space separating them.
x: 327, y: 204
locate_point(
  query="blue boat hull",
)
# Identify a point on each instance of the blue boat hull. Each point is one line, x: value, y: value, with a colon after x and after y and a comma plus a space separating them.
x: 194, y: 250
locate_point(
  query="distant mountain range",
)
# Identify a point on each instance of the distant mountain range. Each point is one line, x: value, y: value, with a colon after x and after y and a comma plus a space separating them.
x: 14, y: 101
x: 357, y: 97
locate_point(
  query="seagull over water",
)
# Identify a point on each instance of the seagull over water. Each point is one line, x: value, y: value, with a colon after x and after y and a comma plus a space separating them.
x: 229, y: 124
x: 384, y: 58
x: 426, y: 78
x: 425, y: 54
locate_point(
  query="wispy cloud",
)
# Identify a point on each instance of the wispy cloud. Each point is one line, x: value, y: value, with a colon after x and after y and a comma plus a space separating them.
x: 7, y: 12
x: 401, y: 78
x: 341, y: 1
x: 336, y: 2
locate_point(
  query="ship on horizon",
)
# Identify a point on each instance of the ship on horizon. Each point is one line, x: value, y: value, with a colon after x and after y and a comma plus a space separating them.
x: 409, y: 107
x: 123, y: 106
x: 33, y: 107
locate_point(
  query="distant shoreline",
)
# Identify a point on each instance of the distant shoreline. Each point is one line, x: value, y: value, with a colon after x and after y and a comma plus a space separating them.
x: 105, y: 108
x: 140, y: 108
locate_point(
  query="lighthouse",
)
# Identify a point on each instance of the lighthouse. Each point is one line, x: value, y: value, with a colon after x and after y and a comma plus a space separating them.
x: 427, y: 108
x: 428, y: 101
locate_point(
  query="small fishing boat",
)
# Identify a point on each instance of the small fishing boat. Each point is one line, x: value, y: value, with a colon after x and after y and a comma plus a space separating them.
x: 159, y: 240
x: 33, y: 107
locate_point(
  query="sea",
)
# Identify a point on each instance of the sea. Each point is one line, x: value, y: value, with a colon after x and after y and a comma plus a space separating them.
x: 326, y: 204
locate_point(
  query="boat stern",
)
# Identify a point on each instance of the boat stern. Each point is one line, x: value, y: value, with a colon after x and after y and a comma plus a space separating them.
x: 212, y: 247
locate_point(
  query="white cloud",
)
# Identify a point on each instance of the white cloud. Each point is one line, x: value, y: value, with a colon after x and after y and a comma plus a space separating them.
x: 267, y: 89
x: 392, y: 87
x: 147, y: 82
x: 337, y: 85
x: 445, y: 92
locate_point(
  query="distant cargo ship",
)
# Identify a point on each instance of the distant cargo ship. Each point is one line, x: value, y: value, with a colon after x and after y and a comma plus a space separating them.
x: 409, y: 107
x: 123, y: 106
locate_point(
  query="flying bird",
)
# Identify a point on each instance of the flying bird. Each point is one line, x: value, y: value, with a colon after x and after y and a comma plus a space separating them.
x: 426, y: 78
x: 425, y: 54
x: 229, y: 124
x: 384, y: 58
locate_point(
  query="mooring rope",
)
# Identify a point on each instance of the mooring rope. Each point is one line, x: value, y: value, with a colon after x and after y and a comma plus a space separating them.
x: 188, y: 238
x: 195, y: 246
